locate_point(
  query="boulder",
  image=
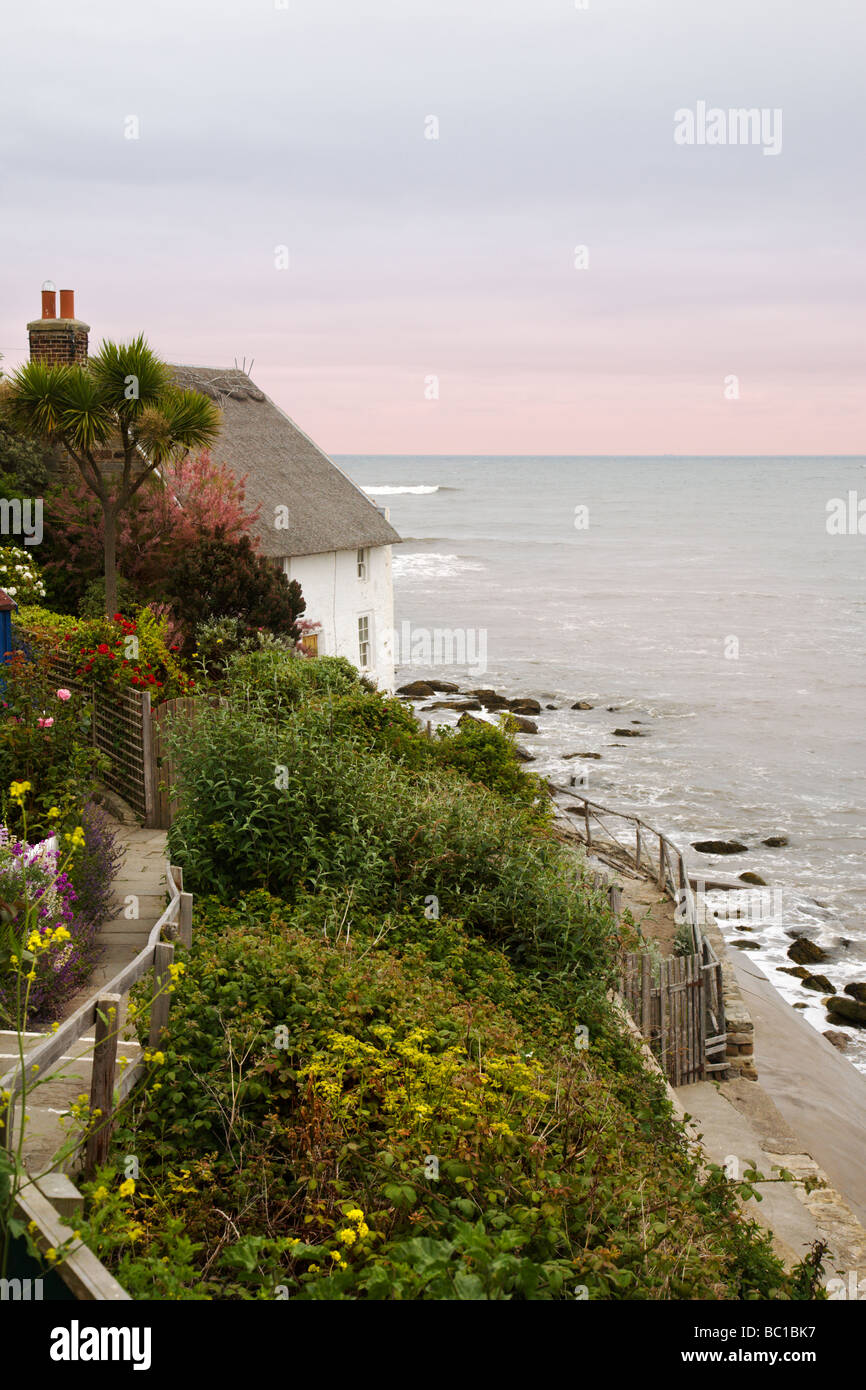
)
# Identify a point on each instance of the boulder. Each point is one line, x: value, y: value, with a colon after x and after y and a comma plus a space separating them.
x: 749, y: 877
x: 551, y: 706
x: 470, y: 719
x: 799, y: 970
x: 805, y: 952
x: 719, y: 847
x: 857, y: 991
x: 799, y: 1006
x: 583, y: 704
x: 614, y: 709
x: 776, y: 841
x: 839, y: 1040
x: 524, y: 706
x: 841, y: 1009
x: 526, y: 726
x: 747, y: 945
x: 565, y: 756
x: 445, y: 687
x: 819, y: 982
x: 523, y: 754
x: 628, y: 733
x: 416, y: 690
x: 454, y: 704
x: 489, y: 699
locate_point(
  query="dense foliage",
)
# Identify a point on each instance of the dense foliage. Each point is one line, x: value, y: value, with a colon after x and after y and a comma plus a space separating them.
x: 20, y: 576
x: 393, y: 1070
x: 45, y: 742
x: 112, y: 654
x: 192, y: 497
x: 42, y: 924
x: 356, y: 1105
x: 217, y: 577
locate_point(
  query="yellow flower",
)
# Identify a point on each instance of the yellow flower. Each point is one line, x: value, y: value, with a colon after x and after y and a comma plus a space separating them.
x: 363, y: 1230
x: 100, y: 1194
x: 127, y: 1188
x: 347, y: 1236
x: 53, y: 813
x: 51, y: 1254
x: 17, y: 790
x: 354, y: 1214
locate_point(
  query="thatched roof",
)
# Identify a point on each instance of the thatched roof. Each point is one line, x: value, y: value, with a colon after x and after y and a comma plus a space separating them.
x: 326, y: 510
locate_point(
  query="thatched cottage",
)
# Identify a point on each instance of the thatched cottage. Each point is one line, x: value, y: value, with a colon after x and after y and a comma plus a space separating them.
x: 315, y: 523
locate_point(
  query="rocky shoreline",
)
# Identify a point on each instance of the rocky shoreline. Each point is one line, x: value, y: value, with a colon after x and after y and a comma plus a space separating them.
x: 845, y: 1007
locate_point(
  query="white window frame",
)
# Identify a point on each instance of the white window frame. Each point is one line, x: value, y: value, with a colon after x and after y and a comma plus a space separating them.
x: 364, y: 641
x: 363, y: 562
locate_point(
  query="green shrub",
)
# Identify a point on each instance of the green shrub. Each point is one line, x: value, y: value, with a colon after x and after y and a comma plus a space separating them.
x: 290, y: 807
x: 318, y: 1058
x: 485, y: 754
x: 274, y: 683
x: 45, y: 741
x: 92, y: 602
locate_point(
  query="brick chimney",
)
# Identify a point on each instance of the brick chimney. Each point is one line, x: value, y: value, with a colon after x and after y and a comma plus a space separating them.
x: 58, y: 340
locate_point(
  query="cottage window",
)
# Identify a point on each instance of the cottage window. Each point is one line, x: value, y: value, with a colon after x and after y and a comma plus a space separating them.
x: 364, y: 642
x: 362, y: 564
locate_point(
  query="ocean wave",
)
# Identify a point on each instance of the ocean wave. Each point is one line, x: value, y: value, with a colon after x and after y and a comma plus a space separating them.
x: 386, y: 489
x: 432, y: 565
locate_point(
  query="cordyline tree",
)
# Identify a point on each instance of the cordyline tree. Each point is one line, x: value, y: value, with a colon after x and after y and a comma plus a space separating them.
x: 124, y: 401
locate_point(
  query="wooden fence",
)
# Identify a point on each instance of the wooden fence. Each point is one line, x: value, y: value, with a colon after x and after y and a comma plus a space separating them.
x: 675, y: 1003
x: 122, y: 730
x: 133, y: 735
x: 100, y: 1014
x: 164, y: 771
x: 678, y: 1007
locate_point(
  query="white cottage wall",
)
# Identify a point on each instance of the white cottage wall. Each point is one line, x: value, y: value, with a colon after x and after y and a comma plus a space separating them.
x: 337, y: 597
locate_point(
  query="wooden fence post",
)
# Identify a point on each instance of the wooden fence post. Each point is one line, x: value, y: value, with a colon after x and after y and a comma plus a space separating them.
x: 586, y: 822
x: 151, y: 796
x: 184, y: 931
x: 637, y: 844
x: 102, y: 1082
x: 614, y: 897
x: 163, y: 957
x: 662, y: 878
x: 646, y: 996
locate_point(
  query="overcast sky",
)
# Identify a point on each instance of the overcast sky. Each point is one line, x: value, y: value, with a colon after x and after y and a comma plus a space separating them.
x: 411, y: 258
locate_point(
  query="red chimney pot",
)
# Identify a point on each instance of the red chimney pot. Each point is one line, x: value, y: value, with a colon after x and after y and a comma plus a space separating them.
x: 67, y: 304
x: 49, y: 304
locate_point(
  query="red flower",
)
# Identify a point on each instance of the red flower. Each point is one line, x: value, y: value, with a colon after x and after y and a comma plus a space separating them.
x: 103, y: 649
x: 118, y: 617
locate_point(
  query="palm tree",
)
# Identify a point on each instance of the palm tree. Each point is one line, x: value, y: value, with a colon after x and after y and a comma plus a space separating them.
x: 120, y: 416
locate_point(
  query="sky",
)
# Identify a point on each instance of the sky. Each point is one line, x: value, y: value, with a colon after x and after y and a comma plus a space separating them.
x: 380, y: 205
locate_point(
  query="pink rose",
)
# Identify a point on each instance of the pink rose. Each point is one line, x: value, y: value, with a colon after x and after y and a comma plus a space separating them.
x: 64, y: 694
x: 45, y: 723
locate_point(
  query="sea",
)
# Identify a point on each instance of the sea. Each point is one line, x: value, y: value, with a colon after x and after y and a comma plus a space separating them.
x: 715, y: 605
